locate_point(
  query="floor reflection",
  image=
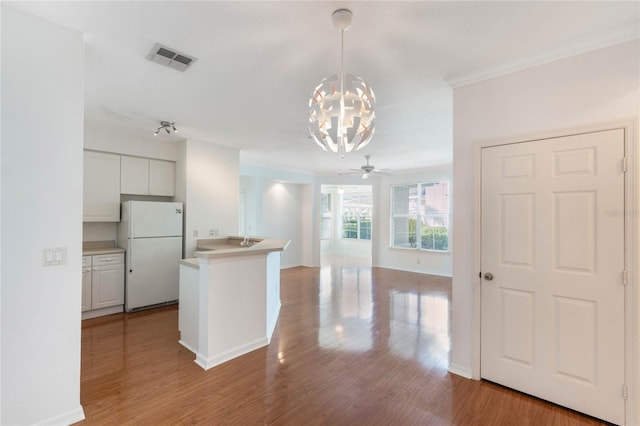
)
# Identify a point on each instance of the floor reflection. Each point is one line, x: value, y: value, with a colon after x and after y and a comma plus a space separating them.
x: 352, y: 346
x: 358, y: 312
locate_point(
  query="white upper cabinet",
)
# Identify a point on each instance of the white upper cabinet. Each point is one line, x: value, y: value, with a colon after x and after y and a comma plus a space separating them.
x: 143, y: 176
x: 101, y: 199
x: 162, y: 178
x: 134, y: 175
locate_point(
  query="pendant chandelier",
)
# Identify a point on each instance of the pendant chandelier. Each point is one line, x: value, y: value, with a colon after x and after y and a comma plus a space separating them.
x: 341, y: 108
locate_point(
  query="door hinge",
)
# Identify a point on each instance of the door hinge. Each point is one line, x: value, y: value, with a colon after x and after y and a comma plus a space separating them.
x: 625, y: 164
x: 625, y: 277
x: 625, y: 392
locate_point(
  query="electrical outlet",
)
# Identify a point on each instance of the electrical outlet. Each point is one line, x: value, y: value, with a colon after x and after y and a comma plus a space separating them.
x: 195, y: 232
x: 212, y: 232
x: 418, y: 261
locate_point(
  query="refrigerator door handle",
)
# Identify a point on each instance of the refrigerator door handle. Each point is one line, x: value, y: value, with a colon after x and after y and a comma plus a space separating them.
x: 130, y: 255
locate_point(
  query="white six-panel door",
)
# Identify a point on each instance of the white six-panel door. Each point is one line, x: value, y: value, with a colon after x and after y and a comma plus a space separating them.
x: 553, y: 241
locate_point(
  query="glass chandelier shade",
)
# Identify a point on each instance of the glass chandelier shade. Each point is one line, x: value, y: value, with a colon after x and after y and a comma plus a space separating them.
x: 341, y: 108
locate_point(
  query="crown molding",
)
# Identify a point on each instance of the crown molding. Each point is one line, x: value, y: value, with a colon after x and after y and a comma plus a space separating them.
x: 618, y: 36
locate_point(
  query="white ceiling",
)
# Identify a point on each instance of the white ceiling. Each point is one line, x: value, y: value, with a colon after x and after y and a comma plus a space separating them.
x: 259, y: 61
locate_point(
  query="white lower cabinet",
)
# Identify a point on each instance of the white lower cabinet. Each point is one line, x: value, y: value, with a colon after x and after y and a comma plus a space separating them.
x: 86, y: 283
x: 103, y: 284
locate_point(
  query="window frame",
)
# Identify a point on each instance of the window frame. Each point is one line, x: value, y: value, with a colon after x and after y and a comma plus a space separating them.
x: 420, y: 216
x: 326, y: 216
x: 358, y: 219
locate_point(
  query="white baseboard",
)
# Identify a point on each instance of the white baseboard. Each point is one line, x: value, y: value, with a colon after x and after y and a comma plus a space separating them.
x: 182, y: 342
x: 460, y: 370
x: 67, y: 418
x: 210, y: 362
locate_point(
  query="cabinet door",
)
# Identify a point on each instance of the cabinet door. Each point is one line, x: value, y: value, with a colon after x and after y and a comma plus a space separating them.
x: 86, y: 289
x: 162, y: 178
x: 101, y: 193
x: 107, y: 286
x: 134, y: 175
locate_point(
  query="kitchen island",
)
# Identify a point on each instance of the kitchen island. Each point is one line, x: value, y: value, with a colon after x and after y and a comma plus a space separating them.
x: 229, y: 297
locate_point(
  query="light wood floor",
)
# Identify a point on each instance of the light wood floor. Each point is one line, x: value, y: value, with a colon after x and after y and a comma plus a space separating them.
x: 353, y: 346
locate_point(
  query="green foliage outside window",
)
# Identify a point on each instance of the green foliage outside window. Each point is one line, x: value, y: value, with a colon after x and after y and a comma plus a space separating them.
x: 349, y: 228
x: 431, y: 237
x: 365, y: 229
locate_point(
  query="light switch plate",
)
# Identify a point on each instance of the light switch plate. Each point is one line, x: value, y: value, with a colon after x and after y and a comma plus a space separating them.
x: 54, y: 256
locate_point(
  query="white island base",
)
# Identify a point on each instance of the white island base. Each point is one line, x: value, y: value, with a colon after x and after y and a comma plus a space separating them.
x: 229, y: 301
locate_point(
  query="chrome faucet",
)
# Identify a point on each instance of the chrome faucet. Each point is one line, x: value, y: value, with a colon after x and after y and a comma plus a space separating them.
x: 246, y: 242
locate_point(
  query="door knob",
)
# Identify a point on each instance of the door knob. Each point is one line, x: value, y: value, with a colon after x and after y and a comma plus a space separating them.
x: 488, y: 276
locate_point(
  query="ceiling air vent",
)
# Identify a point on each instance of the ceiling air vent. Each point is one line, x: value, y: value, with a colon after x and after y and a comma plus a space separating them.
x: 171, y: 58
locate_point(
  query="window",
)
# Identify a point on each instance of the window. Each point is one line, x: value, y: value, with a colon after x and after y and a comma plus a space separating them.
x: 420, y: 216
x: 325, y: 223
x: 356, y: 215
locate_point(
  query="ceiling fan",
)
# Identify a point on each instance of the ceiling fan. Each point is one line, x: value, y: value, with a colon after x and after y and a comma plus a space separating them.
x: 366, y: 169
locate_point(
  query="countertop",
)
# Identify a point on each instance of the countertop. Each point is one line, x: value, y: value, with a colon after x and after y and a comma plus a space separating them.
x: 191, y: 262
x: 93, y: 248
x: 224, y: 247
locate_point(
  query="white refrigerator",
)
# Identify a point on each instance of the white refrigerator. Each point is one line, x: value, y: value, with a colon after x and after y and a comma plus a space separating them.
x: 151, y: 232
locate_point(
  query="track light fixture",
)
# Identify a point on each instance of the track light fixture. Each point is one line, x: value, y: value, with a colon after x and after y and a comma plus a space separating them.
x: 168, y: 127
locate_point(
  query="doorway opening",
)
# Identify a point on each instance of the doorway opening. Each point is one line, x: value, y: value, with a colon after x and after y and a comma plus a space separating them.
x: 346, y: 224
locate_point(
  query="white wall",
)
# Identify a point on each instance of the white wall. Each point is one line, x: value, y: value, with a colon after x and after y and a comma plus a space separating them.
x: 99, y: 231
x: 208, y: 185
x: 591, y: 88
x: 42, y: 115
x: 426, y: 262
x: 280, y: 204
x: 282, y: 208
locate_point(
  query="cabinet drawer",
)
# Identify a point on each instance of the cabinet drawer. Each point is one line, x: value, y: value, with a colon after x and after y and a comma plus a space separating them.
x: 86, y: 261
x: 108, y: 259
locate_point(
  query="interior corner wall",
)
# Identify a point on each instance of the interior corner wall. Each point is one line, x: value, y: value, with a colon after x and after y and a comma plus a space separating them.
x: 253, y: 216
x: 281, y: 204
x: 41, y: 185
x: 596, y: 87
x: 282, y: 207
x: 308, y: 224
x: 421, y: 261
x: 212, y: 192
